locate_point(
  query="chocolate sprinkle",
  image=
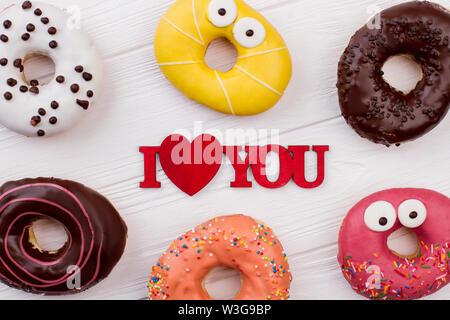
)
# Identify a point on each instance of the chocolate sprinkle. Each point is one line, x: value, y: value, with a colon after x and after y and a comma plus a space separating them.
x: 27, y: 5
x: 53, y: 44
x: 52, y: 30
x: 53, y: 120
x: 38, y: 12
x: 83, y: 103
x: 26, y: 37
x: 18, y: 63
x: 34, y: 90
x: 4, y: 38
x: 45, y: 20
x: 54, y: 105
x: 8, y: 95
x: 11, y: 82
x: 42, y: 112
x: 30, y: 27
x: 3, y: 62
x: 75, y: 88
x: 90, y: 94
x: 41, y: 133
x: 87, y: 76
x: 23, y: 89
x: 79, y: 69
x: 7, y: 24
x: 60, y: 79
x: 35, y: 121
x: 34, y: 83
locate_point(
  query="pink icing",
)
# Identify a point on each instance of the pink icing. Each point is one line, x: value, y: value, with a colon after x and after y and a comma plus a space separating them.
x: 377, y: 273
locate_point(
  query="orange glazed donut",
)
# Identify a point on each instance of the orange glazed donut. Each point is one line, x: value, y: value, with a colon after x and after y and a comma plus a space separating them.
x: 237, y: 242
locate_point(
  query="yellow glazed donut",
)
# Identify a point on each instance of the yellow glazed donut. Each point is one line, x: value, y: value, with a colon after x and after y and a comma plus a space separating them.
x: 263, y: 70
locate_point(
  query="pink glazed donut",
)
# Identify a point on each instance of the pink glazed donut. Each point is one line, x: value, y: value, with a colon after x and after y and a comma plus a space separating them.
x: 376, y: 272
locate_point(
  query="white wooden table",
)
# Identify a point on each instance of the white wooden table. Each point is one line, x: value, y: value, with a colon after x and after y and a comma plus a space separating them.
x: 139, y: 107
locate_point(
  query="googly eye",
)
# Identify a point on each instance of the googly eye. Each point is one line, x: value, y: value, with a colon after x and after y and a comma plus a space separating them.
x: 222, y: 13
x: 249, y: 32
x: 380, y: 216
x: 412, y: 213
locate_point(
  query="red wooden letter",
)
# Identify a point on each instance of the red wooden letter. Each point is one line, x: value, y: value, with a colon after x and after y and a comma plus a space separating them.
x: 300, y: 166
x: 150, y: 181
x: 240, y: 167
x: 259, y: 168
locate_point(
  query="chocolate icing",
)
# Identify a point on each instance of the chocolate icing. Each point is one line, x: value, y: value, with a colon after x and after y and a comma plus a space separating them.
x: 373, y: 108
x: 96, y: 235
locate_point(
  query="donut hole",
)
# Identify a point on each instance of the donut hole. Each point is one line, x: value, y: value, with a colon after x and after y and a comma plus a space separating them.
x: 38, y: 67
x: 48, y: 235
x: 221, y: 55
x: 402, y: 73
x: 223, y: 283
x: 404, y: 243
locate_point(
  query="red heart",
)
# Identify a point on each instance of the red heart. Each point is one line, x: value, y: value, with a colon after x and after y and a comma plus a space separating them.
x: 191, y: 166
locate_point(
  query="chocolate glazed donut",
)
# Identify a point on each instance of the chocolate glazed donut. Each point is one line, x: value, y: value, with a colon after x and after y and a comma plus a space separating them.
x: 96, y: 236
x: 375, y: 110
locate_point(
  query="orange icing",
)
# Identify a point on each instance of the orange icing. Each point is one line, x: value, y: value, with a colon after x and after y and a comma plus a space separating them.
x: 237, y: 242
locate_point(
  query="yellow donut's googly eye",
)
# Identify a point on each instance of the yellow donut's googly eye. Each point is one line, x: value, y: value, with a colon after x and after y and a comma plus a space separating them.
x: 249, y: 32
x: 222, y: 13
x: 380, y: 216
x: 412, y: 213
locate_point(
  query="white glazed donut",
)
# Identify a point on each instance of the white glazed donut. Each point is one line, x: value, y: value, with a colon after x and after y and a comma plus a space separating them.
x: 36, y: 28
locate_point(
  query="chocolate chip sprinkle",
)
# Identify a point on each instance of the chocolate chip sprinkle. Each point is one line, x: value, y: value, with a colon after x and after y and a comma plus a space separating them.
x: 18, y: 63
x: 53, y: 120
x: 83, y: 103
x: 27, y: 5
x: 52, y: 30
x: 34, y: 83
x: 79, y: 69
x: 87, y: 76
x: 34, y: 90
x: 11, y: 82
x: 45, y: 20
x: 3, y: 62
x: 35, y: 121
x: 30, y: 27
x: 42, y: 112
x: 8, y: 95
x: 53, y: 44
x: 41, y: 133
x: 26, y: 37
x: 38, y: 12
x: 7, y: 24
x: 90, y: 93
x: 75, y: 88
x: 54, y: 105
x: 4, y: 38
x: 23, y: 89
x: 60, y: 79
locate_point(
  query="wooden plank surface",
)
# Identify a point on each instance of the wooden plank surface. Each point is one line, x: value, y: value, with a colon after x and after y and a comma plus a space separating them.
x: 139, y: 107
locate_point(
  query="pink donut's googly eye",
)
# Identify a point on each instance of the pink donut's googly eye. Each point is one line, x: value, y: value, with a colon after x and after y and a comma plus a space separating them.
x: 412, y: 213
x: 380, y: 216
x: 222, y: 13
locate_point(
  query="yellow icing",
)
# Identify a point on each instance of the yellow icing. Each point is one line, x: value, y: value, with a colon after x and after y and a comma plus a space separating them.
x: 254, y: 85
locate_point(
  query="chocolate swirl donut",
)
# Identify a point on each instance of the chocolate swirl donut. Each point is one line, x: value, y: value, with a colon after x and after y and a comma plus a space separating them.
x: 96, y: 236
x: 375, y: 110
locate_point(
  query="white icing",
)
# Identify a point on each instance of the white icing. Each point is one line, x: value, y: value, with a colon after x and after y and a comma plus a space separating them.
x: 74, y: 49
x: 412, y: 206
x: 377, y: 211
x: 243, y: 26
x: 225, y: 20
